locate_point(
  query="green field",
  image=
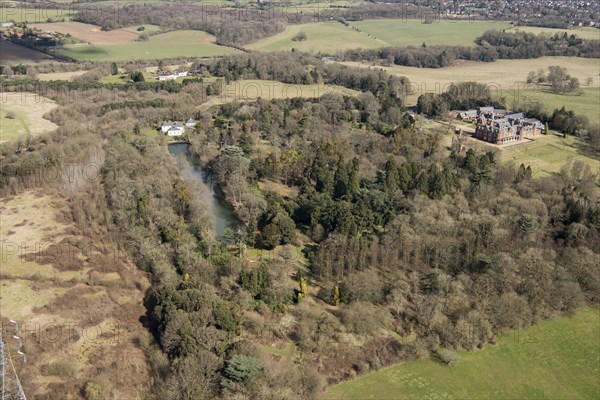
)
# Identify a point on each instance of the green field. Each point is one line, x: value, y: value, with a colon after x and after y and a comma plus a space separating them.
x: 321, y: 37
x: 558, y: 359
x: 332, y: 36
x: 11, y: 129
x: 588, y: 103
x: 584, y: 33
x: 547, y: 154
x: 20, y: 14
x: 171, y: 44
x: 398, y: 32
x: 252, y: 89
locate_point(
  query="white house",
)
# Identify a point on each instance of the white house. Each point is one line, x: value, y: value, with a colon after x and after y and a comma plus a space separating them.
x: 170, y: 77
x: 165, y: 126
x: 172, y: 128
x: 176, y: 131
x: 190, y: 122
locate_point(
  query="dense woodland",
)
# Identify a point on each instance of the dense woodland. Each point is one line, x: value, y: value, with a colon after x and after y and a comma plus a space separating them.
x: 397, y: 232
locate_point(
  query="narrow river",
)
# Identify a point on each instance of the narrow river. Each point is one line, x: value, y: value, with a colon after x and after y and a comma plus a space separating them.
x: 223, y: 216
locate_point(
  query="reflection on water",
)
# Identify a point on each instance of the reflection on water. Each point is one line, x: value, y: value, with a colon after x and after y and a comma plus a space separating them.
x: 220, y: 210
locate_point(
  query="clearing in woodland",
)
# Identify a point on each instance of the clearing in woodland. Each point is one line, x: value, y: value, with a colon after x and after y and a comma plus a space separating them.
x: 27, y: 111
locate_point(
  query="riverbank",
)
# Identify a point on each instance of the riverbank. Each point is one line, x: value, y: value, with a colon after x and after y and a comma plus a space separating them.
x: 205, y: 188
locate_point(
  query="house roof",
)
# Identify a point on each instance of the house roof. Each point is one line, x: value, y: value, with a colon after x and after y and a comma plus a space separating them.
x: 165, y: 124
x: 177, y: 124
x: 189, y: 121
x: 515, y: 116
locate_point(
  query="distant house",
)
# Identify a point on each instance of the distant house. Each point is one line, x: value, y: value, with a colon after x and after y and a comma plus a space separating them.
x: 175, y: 128
x: 169, y: 77
x: 190, y: 122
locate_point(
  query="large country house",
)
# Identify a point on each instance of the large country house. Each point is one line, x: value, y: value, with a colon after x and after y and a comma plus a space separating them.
x: 498, y: 127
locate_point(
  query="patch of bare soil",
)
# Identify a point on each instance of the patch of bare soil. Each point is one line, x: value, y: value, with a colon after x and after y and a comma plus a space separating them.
x: 89, y: 33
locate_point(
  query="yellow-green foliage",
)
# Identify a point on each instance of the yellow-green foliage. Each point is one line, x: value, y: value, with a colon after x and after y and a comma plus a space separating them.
x: 336, y: 295
x: 302, y: 291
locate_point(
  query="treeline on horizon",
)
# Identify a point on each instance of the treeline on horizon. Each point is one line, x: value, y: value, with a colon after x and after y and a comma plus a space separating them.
x: 239, y: 25
x: 491, y: 46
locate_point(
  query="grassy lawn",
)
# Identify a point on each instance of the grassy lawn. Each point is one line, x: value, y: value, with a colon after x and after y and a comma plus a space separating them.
x: 288, y: 352
x: 252, y: 89
x: 398, y: 32
x: 11, y: 129
x: 255, y: 254
x: 321, y: 37
x: 557, y: 359
x: 171, y: 44
x: 547, y: 154
x: 584, y: 33
x: 148, y: 76
x: 29, y: 110
x: 150, y: 132
x: 588, y: 103
x: 124, y: 78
